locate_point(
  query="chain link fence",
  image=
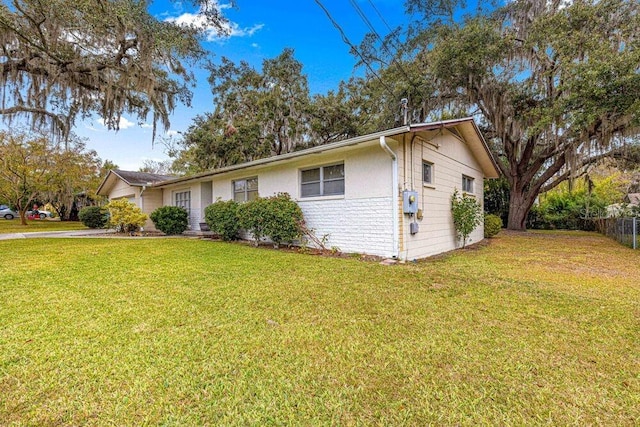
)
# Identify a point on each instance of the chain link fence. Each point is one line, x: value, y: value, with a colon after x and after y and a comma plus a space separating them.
x: 624, y: 230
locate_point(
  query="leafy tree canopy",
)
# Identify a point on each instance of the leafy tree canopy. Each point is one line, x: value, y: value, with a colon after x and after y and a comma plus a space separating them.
x: 261, y: 113
x: 33, y: 168
x: 555, y: 84
x: 64, y: 59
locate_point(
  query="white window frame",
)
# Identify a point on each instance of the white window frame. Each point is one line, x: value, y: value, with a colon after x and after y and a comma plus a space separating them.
x: 179, y: 199
x: 322, y: 181
x: 430, y: 181
x: 468, y: 184
x: 245, y: 193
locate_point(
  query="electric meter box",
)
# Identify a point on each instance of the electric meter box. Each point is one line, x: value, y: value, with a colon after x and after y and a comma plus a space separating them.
x: 410, y: 202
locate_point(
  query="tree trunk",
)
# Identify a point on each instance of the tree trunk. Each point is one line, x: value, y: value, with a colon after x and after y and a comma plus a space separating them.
x: 519, y: 206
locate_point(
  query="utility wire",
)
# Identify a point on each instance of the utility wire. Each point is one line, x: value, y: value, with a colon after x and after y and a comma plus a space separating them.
x: 354, y: 48
x: 366, y: 20
x: 380, y: 15
x: 394, y: 61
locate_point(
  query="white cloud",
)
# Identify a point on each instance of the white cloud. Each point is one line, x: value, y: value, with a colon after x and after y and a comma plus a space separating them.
x: 229, y: 28
x: 146, y: 125
x: 247, y: 31
x: 172, y: 132
x: 123, y: 124
x: 256, y: 45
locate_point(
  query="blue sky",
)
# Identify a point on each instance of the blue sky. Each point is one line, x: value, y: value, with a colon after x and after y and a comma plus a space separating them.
x: 259, y: 30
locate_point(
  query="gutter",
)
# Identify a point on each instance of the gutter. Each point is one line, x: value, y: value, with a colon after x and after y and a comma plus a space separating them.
x: 394, y: 195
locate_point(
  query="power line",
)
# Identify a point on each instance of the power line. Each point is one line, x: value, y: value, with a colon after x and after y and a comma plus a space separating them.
x: 394, y: 61
x: 380, y: 15
x: 384, y: 21
x: 366, y: 20
x: 353, y: 47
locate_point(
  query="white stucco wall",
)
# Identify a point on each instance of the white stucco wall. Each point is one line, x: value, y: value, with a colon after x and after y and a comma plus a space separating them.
x: 361, y: 219
x: 123, y: 190
x: 358, y: 221
x: 151, y: 200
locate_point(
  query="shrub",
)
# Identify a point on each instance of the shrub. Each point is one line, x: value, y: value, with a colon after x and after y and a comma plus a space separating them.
x: 170, y: 219
x: 222, y: 219
x: 492, y: 225
x: 567, y: 210
x: 125, y: 216
x: 94, y: 216
x: 252, y: 219
x: 467, y: 215
x: 277, y: 217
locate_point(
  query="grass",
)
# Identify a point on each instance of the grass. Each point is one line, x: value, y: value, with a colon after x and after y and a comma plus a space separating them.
x: 14, y: 226
x: 532, y: 329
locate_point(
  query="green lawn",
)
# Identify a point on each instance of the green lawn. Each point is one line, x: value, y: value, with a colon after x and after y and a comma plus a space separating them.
x: 532, y: 329
x: 14, y: 226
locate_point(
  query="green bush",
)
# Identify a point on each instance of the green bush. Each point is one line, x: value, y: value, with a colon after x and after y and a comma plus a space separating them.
x: 252, y: 217
x: 94, y: 216
x: 170, y: 219
x: 492, y: 225
x: 566, y: 210
x: 467, y: 215
x: 222, y: 219
x: 277, y: 218
x: 125, y: 216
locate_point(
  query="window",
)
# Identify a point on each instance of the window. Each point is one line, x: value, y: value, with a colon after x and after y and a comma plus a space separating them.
x: 183, y: 199
x: 467, y: 184
x: 427, y: 173
x: 322, y: 181
x: 245, y: 190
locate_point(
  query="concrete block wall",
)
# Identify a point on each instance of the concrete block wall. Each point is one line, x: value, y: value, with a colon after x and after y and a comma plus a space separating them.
x: 353, y: 225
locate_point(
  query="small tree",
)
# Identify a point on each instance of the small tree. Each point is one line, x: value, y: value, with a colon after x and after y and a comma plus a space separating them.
x: 27, y: 169
x: 467, y: 215
x: 170, y: 219
x: 125, y: 216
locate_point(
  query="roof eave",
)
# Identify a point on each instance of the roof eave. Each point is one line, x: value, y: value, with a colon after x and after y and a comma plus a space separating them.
x: 283, y: 157
x: 346, y: 143
x: 443, y: 124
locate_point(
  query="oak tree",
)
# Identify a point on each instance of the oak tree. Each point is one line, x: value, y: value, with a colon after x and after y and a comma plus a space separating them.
x: 555, y: 85
x: 66, y: 59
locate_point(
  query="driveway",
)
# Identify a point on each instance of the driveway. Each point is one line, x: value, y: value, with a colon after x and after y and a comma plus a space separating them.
x: 40, y: 234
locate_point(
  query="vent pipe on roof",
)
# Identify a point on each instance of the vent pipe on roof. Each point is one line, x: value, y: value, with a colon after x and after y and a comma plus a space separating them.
x: 404, y: 105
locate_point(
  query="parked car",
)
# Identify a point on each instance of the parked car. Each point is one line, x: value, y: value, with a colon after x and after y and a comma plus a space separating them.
x: 38, y: 214
x: 7, y: 213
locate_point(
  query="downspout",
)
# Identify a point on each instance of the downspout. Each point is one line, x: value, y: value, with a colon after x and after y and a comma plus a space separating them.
x: 144, y: 187
x: 394, y: 195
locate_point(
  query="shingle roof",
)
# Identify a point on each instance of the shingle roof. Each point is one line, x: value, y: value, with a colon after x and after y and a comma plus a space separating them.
x: 141, y: 178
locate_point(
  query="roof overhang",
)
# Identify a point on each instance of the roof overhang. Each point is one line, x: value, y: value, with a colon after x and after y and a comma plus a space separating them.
x: 466, y: 127
x: 110, y: 180
x: 469, y: 132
